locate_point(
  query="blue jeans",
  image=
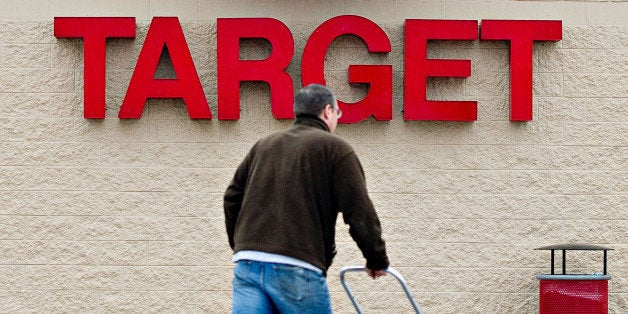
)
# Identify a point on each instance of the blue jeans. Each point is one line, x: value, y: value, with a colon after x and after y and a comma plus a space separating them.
x: 277, y: 288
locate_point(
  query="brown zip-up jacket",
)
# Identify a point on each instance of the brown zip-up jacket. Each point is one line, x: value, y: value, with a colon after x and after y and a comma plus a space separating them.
x: 286, y: 195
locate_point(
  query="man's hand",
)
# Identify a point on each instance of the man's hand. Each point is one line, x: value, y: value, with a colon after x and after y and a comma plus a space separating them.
x: 375, y: 273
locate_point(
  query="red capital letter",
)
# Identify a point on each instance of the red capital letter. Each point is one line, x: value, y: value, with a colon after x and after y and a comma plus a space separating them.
x: 232, y: 70
x: 94, y: 31
x: 378, y: 101
x: 521, y: 34
x: 417, y: 68
x: 165, y: 31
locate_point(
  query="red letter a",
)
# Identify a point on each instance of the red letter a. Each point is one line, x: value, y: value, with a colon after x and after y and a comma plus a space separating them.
x: 165, y: 31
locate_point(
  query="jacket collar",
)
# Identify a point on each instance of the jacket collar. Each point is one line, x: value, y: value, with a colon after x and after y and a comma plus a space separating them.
x: 311, y: 121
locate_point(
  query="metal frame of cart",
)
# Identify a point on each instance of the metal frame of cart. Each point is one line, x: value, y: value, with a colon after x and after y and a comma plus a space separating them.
x: 390, y: 271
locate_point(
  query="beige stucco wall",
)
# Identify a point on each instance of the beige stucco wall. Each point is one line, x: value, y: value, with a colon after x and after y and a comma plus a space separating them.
x: 118, y: 215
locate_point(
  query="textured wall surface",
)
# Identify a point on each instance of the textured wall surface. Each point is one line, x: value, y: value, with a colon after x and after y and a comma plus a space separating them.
x: 126, y: 215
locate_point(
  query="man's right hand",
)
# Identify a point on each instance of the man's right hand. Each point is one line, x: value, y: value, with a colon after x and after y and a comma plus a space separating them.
x: 375, y: 273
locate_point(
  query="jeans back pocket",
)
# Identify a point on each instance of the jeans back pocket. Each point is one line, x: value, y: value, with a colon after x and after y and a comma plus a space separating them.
x: 294, y: 281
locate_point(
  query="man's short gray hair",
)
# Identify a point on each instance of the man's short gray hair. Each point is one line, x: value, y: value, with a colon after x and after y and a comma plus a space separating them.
x: 312, y: 99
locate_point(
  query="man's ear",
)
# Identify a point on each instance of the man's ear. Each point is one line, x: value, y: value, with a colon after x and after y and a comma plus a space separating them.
x: 326, y: 112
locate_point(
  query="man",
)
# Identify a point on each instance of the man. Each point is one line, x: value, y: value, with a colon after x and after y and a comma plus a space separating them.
x: 281, y: 209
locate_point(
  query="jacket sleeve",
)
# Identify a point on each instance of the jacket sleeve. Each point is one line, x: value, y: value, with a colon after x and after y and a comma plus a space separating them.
x: 358, y: 211
x: 232, y: 200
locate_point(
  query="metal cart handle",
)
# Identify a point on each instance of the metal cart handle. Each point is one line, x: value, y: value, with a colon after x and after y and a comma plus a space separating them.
x: 389, y: 270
